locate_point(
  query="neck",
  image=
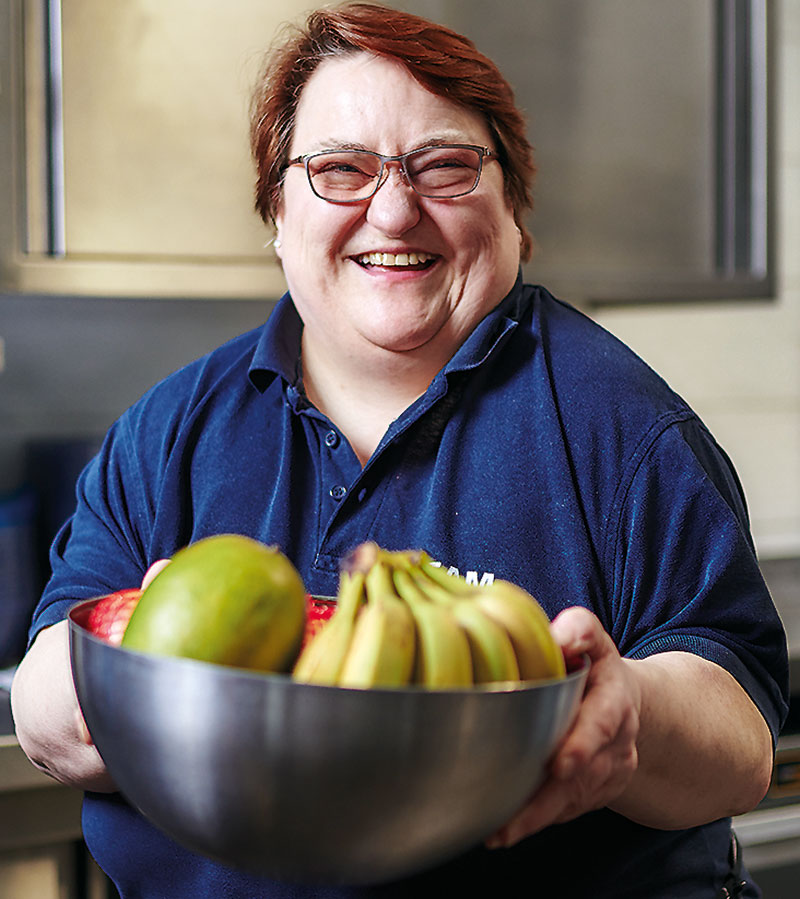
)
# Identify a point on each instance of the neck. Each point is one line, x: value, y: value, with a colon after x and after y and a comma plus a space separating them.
x: 363, y: 397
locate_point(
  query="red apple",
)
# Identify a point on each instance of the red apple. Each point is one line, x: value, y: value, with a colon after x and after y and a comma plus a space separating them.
x: 318, y: 611
x: 110, y: 615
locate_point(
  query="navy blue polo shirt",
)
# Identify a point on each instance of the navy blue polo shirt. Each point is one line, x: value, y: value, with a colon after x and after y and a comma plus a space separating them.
x: 544, y: 452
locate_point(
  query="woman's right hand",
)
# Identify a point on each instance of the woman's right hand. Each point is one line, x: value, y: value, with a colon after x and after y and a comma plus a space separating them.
x: 47, y: 717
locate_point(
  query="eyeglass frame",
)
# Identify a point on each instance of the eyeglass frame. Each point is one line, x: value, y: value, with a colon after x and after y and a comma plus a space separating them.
x: 483, y: 153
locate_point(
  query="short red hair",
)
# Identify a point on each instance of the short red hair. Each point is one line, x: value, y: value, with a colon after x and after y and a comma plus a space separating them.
x: 443, y: 61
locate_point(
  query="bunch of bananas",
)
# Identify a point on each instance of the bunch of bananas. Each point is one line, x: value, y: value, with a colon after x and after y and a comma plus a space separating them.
x: 401, y: 619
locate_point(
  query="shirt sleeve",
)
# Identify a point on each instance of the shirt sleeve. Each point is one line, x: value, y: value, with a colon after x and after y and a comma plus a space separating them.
x: 685, y: 571
x: 101, y: 547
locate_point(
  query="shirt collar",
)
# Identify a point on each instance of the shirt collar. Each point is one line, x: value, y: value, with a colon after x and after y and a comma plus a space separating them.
x: 278, y: 349
x: 490, y: 331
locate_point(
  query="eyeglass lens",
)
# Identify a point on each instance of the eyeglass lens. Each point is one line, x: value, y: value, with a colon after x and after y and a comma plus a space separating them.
x: 350, y: 175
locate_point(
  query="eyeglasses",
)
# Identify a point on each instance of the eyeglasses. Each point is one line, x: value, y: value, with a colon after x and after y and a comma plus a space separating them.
x: 442, y: 172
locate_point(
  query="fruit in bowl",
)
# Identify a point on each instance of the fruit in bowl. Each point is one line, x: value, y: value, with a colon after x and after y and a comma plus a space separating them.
x: 401, y: 619
x: 226, y: 599
x: 110, y: 615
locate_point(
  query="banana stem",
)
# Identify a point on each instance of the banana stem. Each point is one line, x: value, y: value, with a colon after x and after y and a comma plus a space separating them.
x: 406, y: 588
x: 433, y: 590
x: 378, y: 581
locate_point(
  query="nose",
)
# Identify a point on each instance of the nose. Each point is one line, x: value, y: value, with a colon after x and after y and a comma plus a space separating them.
x: 394, y: 208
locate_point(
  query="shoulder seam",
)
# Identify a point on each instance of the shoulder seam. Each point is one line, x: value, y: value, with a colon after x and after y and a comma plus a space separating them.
x: 640, y: 452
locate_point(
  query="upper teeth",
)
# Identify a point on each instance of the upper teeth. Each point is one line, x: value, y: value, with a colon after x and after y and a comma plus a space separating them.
x: 394, y: 258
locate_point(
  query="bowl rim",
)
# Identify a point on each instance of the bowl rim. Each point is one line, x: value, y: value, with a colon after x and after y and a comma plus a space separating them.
x: 78, y: 629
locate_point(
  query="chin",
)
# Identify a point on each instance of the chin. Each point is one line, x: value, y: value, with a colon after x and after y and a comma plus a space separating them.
x: 400, y: 332
x: 396, y: 344
x: 401, y: 327
x: 425, y: 340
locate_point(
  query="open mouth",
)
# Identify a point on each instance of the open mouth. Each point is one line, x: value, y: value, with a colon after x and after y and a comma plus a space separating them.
x: 407, y: 261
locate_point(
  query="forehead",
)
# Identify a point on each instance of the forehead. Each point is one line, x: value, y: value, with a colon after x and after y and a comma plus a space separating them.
x: 364, y: 100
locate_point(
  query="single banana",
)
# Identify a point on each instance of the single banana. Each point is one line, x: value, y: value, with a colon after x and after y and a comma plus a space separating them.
x: 525, y: 621
x: 493, y: 656
x: 322, y: 659
x: 443, y: 656
x: 381, y: 653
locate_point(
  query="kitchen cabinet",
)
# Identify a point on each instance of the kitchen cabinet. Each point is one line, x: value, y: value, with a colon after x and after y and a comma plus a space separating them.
x: 125, y: 166
x: 126, y: 126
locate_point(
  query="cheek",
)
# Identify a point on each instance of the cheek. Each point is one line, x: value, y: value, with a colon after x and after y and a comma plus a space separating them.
x: 490, y: 233
x: 316, y: 230
x: 488, y: 252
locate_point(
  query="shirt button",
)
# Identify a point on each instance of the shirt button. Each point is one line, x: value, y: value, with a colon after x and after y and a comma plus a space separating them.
x: 338, y: 492
x: 332, y: 439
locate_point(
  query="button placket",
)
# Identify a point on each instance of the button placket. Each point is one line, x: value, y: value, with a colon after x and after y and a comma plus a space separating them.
x: 332, y: 440
x: 335, y: 467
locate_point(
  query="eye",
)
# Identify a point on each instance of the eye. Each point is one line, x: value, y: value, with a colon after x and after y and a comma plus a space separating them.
x: 339, y: 167
x: 443, y: 159
x: 444, y: 162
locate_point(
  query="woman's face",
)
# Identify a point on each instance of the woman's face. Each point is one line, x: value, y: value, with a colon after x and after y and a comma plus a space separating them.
x: 472, y: 243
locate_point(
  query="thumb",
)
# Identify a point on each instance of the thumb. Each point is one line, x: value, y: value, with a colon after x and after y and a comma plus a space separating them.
x: 579, y: 632
x: 152, y: 571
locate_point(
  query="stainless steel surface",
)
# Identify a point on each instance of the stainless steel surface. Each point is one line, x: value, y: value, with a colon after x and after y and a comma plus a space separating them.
x: 770, y: 834
x: 783, y: 579
x: 35, y: 810
x: 163, y: 135
x: 308, y: 783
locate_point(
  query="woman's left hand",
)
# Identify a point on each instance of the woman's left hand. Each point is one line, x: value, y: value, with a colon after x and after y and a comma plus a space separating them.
x: 152, y: 571
x: 596, y: 760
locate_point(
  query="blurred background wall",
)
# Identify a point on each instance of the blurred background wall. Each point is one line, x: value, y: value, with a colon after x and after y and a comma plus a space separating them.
x: 71, y: 363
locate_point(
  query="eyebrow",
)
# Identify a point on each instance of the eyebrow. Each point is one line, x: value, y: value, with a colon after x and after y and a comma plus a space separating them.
x: 336, y: 144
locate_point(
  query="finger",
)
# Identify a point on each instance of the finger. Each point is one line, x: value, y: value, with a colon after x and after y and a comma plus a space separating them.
x: 597, y: 758
x: 605, y: 779
x: 83, y: 731
x: 610, y: 703
x: 153, y: 570
x: 558, y: 801
x: 547, y: 805
x: 605, y: 716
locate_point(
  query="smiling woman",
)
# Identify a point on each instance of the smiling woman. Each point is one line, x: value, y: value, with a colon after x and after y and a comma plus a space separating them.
x: 412, y: 391
x: 440, y: 59
x: 386, y: 328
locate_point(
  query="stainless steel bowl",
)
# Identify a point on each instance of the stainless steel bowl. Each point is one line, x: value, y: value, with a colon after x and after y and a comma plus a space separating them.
x: 314, y: 784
